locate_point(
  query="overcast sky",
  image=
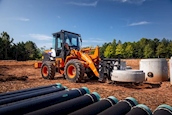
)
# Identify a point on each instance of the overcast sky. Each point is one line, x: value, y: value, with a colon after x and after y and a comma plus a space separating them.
x: 97, y: 21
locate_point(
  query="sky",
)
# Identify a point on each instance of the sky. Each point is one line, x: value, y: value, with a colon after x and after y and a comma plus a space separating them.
x: 98, y: 21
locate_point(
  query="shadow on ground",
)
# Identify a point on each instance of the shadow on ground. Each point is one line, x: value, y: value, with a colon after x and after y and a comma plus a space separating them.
x: 13, y: 78
x: 144, y: 85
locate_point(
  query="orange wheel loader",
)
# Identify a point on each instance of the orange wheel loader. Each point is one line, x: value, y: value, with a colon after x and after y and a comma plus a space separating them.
x: 73, y: 62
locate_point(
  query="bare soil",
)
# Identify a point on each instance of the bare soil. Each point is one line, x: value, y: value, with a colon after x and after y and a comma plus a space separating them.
x: 16, y: 75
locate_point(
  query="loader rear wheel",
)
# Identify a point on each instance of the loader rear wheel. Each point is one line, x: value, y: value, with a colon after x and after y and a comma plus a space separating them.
x: 48, y: 70
x: 74, y: 70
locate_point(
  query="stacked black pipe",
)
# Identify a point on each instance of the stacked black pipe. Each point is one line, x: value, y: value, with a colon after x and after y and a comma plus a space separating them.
x: 163, y: 110
x: 21, y: 92
x: 57, y: 99
x: 68, y: 106
x: 140, y: 109
x: 121, y: 108
x: 29, y: 105
x: 30, y: 94
x: 97, y: 107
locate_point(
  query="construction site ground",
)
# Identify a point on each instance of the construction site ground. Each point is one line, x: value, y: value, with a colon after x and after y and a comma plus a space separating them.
x: 16, y: 75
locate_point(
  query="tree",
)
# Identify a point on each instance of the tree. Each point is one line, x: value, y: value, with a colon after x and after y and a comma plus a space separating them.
x: 13, y: 52
x: 141, y: 44
x: 103, y: 48
x: 21, y: 54
x: 144, y: 48
x: 169, y: 49
x: 7, y: 43
x: 109, y: 52
x: 119, y: 42
x: 135, y: 49
x: 31, y: 50
x: 39, y: 54
x: 129, y: 50
x: 148, y: 51
x: 113, y: 47
x: 19, y: 51
x: 119, y: 50
x: 161, y: 50
x: 165, y: 41
x: 1, y: 48
x: 156, y: 42
x: 114, y: 43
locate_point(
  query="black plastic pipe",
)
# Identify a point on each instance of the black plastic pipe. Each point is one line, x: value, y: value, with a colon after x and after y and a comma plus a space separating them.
x: 97, y: 107
x: 121, y: 108
x: 26, y: 106
x: 140, y: 110
x: 163, y: 110
x: 31, y: 95
x: 25, y: 91
x: 68, y: 106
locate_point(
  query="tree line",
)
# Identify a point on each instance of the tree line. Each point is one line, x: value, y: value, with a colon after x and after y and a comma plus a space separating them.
x: 144, y: 48
x: 17, y: 51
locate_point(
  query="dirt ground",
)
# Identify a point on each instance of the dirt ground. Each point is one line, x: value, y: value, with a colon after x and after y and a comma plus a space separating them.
x: 21, y: 75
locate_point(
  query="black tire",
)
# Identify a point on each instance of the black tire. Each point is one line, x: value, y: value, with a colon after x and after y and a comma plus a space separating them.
x: 48, y: 70
x: 74, y: 71
x: 91, y: 76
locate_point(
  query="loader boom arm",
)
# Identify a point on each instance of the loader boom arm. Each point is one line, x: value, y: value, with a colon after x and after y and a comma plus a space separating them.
x: 89, y: 60
x: 90, y: 63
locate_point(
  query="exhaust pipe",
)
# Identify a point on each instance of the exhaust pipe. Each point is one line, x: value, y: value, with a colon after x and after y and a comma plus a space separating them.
x: 24, y: 91
x: 140, y: 110
x: 29, y: 105
x: 163, y: 110
x: 121, y: 108
x: 31, y: 95
x: 68, y: 106
x: 97, y: 107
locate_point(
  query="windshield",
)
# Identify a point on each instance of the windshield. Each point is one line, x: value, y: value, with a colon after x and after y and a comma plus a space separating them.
x: 72, y: 40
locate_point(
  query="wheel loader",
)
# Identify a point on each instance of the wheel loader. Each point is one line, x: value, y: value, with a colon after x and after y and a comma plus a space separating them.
x: 73, y: 62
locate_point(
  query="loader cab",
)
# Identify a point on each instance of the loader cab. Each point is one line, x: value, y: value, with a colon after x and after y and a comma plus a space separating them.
x: 63, y: 38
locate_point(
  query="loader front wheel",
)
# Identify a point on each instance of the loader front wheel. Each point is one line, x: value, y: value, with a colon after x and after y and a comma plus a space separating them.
x: 48, y: 70
x: 74, y: 70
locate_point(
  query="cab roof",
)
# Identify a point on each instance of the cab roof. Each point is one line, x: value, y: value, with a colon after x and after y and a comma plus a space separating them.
x: 62, y: 31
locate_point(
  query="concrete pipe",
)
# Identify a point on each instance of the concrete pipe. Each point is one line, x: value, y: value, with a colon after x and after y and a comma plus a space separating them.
x: 68, y: 106
x: 170, y: 70
x: 140, y: 110
x: 135, y: 76
x: 156, y: 70
x: 26, y: 106
x: 31, y: 95
x: 163, y: 110
x: 97, y: 107
x: 121, y: 108
x: 27, y: 91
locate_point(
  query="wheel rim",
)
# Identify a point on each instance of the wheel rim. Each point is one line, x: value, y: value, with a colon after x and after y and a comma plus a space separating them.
x: 45, y: 71
x: 71, y: 71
